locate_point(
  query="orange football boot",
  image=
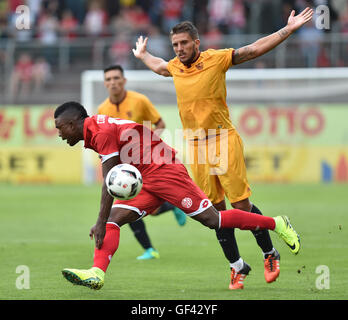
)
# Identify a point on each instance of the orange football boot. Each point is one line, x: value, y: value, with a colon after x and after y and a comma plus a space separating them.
x: 271, y: 264
x: 237, y: 278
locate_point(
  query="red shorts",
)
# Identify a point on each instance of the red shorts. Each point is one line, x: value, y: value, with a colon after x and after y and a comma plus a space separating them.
x: 172, y: 183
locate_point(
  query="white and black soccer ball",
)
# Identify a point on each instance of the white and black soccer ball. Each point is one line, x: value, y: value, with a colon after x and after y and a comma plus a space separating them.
x: 124, y: 181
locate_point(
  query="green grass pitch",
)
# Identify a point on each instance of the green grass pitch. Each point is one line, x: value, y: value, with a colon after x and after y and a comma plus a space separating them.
x: 45, y: 228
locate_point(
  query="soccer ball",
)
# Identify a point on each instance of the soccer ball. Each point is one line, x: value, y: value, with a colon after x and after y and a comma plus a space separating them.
x: 124, y: 181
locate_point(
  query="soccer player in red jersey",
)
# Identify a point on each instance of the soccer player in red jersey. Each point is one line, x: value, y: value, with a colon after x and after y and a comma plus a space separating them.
x: 165, y: 178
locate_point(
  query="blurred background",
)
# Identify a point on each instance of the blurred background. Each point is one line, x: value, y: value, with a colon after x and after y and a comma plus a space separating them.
x: 294, y: 130
x: 67, y: 37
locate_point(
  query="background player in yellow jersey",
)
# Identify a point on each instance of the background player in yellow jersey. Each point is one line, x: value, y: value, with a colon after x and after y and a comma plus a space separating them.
x: 126, y: 104
x: 199, y: 79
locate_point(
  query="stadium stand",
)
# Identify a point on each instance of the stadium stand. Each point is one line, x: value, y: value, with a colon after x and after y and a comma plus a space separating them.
x: 61, y: 33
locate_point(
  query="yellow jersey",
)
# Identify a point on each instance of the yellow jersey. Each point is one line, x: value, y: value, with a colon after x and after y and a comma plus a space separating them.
x: 135, y: 106
x: 201, y: 92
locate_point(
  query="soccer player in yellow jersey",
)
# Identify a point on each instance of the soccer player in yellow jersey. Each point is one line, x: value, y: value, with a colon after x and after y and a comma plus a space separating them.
x: 199, y: 79
x: 131, y: 105
x: 127, y: 104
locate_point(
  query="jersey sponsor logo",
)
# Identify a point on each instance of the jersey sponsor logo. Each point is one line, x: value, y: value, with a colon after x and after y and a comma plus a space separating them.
x: 119, y: 121
x: 199, y: 66
x: 100, y: 118
x: 186, y: 202
x: 205, y: 203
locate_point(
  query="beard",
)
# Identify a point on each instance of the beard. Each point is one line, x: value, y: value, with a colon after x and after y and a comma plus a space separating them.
x: 192, y: 58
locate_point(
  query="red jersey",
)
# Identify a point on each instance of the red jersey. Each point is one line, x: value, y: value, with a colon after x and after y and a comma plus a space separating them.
x: 134, y: 143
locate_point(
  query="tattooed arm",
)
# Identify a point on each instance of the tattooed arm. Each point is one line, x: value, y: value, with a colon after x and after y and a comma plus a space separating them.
x: 260, y: 47
x: 265, y: 44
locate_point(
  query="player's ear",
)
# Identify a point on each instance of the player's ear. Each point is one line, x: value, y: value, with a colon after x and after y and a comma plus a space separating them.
x: 197, y: 42
x: 72, y: 124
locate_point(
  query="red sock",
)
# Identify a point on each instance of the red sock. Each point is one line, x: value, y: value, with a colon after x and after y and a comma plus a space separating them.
x: 102, y: 256
x: 245, y: 220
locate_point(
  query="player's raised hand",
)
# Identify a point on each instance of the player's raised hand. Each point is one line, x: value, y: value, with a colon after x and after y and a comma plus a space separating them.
x: 156, y: 64
x: 296, y: 22
x: 140, y: 47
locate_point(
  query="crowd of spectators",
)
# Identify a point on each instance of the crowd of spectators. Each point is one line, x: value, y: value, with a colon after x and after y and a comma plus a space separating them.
x: 28, y: 76
x: 52, y: 21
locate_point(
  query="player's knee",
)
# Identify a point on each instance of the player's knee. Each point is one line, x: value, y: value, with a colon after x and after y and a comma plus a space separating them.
x: 122, y: 216
x: 244, y: 205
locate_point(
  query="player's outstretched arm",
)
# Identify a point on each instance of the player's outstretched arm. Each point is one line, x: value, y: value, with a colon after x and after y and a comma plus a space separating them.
x: 265, y: 44
x: 156, y: 64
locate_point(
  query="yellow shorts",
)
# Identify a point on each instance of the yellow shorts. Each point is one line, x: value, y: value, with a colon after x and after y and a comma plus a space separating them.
x: 218, y: 166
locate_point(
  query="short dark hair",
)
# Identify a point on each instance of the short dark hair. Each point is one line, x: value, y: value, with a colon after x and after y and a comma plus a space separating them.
x: 114, y: 67
x: 75, y: 109
x: 185, y: 26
